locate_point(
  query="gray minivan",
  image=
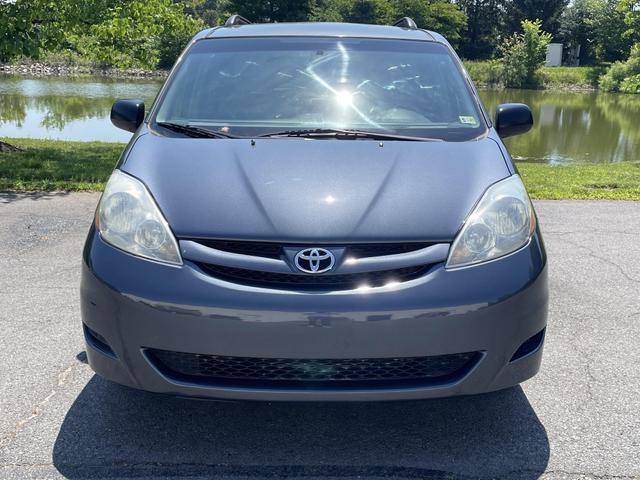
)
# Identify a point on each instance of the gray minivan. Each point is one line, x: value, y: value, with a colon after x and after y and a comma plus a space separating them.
x: 316, y: 211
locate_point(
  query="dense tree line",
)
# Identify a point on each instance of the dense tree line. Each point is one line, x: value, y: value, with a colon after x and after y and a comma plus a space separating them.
x: 151, y: 33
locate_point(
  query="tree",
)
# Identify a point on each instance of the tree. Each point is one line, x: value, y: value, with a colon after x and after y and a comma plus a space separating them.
x: 27, y: 27
x: 598, y: 27
x: 625, y: 76
x: 485, y: 20
x: 141, y: 33
x: 211, y: 12
x: 523, y: 54
x: 610, y: 43
x: 439, y: 15
x: 547, y: 11
x: 356, y: 11
x: 631, y: 11
x: 576, y: 29
x: 328, y: 10
x: 370, y: 11
x: 272, y: 10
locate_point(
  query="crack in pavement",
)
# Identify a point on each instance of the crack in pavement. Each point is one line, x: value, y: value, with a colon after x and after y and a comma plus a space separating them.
x: 38, y: 409
x: 591, y: 378
x: 591, y: 253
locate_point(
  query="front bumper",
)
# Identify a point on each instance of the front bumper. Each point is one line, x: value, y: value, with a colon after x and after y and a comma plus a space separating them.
x: 133, y: 305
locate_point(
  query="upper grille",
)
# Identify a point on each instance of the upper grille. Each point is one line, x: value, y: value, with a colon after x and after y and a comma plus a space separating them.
x: 313, y: 282
x: 257, y: 249
x: 329, y: 281
x: 275, y: 250
x: 310, y: 373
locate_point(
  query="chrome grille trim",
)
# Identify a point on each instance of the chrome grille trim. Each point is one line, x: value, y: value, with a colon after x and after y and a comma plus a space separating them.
x: 197, y: 252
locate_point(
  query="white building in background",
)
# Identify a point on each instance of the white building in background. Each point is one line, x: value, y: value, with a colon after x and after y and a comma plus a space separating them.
x: 554, y: 55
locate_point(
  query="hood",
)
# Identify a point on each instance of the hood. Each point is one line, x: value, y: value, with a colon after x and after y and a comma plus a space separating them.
x: 296, y: 190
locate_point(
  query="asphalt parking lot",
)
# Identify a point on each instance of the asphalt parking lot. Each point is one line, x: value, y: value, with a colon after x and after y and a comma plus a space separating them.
x: 579, y: 418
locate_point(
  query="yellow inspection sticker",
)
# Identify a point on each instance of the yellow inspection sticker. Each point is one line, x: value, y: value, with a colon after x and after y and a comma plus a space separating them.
x: 467, y: 119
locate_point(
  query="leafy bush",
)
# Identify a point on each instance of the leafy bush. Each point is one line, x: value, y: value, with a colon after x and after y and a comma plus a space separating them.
x: 631, y: 84
x: 610, y: 81
x: 623, y: 76
x: 523, y: 54
x: 140, y: 33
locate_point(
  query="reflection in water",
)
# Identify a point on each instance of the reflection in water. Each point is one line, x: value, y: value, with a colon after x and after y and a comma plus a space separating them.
x: 67, y: 109
x: 582, y: 127
x: 574, y: 127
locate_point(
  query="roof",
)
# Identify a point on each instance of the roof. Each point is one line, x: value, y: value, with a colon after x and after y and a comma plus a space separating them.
x: 319, y: 29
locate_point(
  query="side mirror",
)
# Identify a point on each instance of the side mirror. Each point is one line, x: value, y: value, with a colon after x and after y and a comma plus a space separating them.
x: 127, y: 114
x: 513, y: 119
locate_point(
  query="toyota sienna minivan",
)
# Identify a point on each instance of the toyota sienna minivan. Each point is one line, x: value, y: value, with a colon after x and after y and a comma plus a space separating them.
x: 316, y: 211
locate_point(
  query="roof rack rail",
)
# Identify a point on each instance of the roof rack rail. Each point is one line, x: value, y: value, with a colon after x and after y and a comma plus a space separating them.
x: 406, y: 22
x: 236, y: 20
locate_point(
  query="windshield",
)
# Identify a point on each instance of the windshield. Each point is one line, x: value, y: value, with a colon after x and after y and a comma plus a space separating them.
x: 257, y: 86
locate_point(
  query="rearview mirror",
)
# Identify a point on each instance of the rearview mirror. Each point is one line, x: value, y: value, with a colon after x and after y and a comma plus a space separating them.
x: 513, y: 119
x: 127, y: 114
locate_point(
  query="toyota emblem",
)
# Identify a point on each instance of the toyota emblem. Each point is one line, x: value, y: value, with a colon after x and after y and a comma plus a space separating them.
x: 314, y: 260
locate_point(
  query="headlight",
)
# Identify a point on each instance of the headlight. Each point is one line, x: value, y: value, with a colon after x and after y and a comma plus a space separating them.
x: 129, y: 219
x: 502, y: 222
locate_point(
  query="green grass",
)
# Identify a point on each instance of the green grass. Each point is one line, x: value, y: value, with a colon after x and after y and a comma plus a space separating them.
x: 484, y: 73
x: 571, y: 77
x: 488, y: 73
x: 54, y: 165
x: 613, y: 181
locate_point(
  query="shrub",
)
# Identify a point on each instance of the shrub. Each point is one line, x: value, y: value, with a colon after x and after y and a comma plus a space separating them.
x: 486, y: 72
x: 623, y: 76
x: 631, y: 84
x: 523, y: 54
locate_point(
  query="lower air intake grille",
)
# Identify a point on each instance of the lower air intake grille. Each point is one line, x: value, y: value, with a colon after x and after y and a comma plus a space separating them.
x: 308, y: 373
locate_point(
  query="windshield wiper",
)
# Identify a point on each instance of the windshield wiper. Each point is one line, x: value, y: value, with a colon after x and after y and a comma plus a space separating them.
x: 346, y: 134
x: 195, y: 132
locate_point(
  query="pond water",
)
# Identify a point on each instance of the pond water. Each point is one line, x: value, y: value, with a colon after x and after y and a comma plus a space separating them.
x: 67, y: 108
x: 570, y: 127
x: 574, y: 127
